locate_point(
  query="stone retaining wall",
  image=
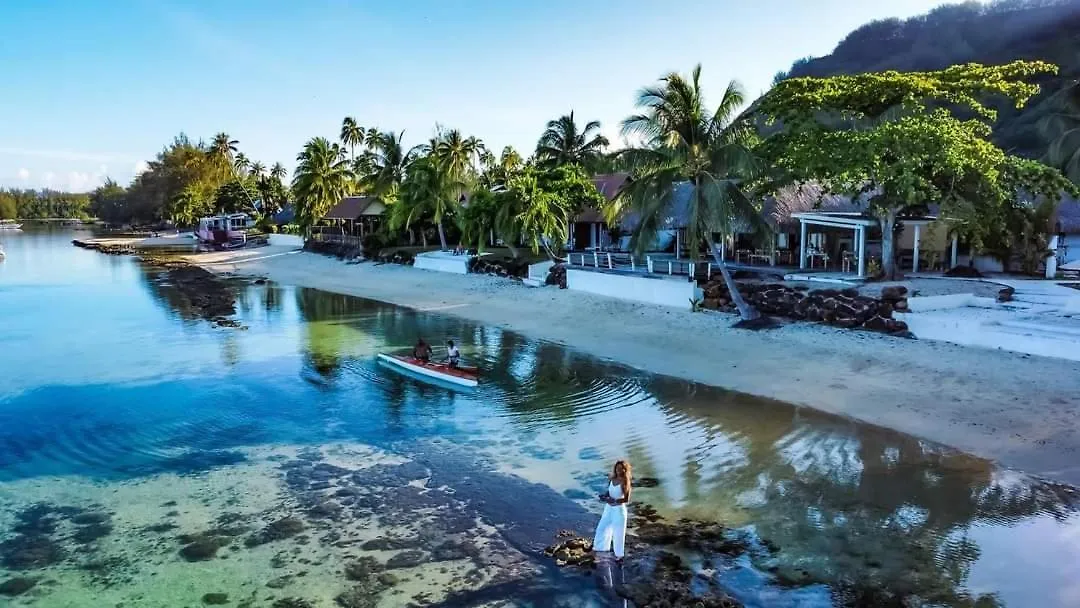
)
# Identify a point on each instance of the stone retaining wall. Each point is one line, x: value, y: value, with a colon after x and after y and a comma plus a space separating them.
x: 840, y: 308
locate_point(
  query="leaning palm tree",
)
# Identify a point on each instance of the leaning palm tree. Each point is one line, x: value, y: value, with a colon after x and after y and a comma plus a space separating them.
x: 322, y: 178
x: 1062, y: 129
x: 429, y: 191
x: 695, y: 153
x: 563, y: 144
x: 352, y: 135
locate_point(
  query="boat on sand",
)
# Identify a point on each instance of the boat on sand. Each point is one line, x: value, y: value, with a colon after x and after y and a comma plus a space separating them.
x: 461, y: 375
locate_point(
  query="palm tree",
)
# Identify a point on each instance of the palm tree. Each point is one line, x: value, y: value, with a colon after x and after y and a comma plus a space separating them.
x: 429, y: 190
x: 352, y: 135
x: 563, y: 144
x: 278, y: 171
x: 385, y: 164
x: 693, y: 152
x: 322, y: 178
x: 458, y: 154
x: 241, y: 163
x: 223, y: 147
x: 257, y: 169
x: 1062, y: 129
x: 528, y: 212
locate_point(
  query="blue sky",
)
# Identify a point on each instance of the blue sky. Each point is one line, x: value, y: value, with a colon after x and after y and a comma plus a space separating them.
x: 93, y: 87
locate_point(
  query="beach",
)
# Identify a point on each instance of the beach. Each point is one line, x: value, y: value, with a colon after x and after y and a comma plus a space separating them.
x: 1018, y: 410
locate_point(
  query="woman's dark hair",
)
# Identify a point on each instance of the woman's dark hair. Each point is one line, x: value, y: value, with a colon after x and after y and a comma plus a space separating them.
x: 450, y: 342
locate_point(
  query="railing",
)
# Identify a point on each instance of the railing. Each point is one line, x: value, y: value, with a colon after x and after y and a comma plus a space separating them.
x: 342, y: 239
x: 622, y: 261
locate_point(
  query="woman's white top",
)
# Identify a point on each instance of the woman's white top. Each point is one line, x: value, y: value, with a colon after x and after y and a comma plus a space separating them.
x: 614, y: 490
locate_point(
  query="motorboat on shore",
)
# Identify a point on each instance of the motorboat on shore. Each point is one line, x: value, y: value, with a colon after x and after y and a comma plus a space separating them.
x: 225, y: 231
x: 9, y: 225
x: 461, y: 375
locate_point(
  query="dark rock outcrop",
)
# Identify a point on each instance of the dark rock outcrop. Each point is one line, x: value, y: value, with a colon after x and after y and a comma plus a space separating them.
x: 839, y: 308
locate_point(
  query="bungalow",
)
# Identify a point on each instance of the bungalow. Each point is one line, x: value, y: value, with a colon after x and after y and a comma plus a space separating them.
x: 353, y: 216
x: 589, y: 229
x: 1065, y: 238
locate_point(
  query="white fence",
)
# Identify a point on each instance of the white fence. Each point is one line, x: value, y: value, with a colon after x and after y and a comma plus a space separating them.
x: 647, y: 265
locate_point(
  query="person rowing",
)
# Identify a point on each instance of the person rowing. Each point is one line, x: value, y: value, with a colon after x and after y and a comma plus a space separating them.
x: 422, y: 351
x: 453, y: 355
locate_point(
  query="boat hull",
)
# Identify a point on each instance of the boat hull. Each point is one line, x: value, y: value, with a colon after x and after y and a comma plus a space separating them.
x: 461, y: 376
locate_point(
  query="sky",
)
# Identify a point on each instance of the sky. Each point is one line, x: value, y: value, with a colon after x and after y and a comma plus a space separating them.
x: 93, y: 88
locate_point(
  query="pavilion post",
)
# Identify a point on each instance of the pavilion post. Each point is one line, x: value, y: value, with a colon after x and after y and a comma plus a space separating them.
x: 802, y: 244
x: 915, y: 262
x: 861, y: 237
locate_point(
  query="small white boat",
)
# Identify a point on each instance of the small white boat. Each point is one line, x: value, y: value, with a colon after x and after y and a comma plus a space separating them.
x: 461, y: 376
x: 9, y: 225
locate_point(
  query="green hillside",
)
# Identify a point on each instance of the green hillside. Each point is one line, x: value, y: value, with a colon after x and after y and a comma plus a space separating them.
x: 992, y: 33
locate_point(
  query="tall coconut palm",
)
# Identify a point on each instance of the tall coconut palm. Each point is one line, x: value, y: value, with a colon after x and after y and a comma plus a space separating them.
x: 322, y: 178
x: 563, y: 144
x: 458, y: 154
x: 386, y: 163
x: 241, y: 164
x: 352, y: 135
x: 257, y: 169
x: 278, y: 171
x: 223, y: 147
x: 694, y: 152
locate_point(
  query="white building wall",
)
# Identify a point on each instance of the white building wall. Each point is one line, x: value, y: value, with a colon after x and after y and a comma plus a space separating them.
x: 663, y: 291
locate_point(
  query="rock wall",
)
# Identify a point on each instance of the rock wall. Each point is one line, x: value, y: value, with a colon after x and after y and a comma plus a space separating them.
x: 396, y: 257
x: 501, y: 267
x: 338, y: 250
x: 840, y: 308
x: 557, y: 276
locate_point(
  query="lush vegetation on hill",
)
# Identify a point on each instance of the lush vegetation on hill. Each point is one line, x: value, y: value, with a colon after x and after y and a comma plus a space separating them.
x: 991, y: 34
x: 41, y: 204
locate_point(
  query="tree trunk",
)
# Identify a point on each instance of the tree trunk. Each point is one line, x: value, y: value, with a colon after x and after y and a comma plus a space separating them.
x: 423, y: 238
x: 513, y: 250
x: 888, y: 242
x: 746, y: 311
x: 442, y: 235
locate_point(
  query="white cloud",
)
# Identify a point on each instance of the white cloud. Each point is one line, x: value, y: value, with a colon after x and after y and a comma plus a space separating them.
x: 24, y: 174
x: 140, y: 167
x: 48, y: 178
x: 82, y: 182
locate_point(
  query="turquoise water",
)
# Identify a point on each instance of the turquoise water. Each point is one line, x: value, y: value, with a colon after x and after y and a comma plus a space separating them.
x: 130, y: 421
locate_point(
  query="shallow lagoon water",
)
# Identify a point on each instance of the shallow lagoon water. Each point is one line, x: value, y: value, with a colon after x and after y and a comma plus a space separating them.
x: 117, y: 398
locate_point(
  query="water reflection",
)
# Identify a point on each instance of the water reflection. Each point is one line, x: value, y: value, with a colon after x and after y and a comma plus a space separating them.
x: 877, y: 516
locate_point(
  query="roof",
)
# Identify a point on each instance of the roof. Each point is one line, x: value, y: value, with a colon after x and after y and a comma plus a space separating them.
x: 286, y: 215
x: 609, y: 185
x: 350, y: 208
x: 1067, y: 216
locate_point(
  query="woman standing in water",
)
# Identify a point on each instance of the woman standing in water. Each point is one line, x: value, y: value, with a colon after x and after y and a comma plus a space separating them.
x: 611, y: 531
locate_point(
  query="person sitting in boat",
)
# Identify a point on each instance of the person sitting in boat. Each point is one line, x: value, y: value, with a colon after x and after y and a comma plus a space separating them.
x: 422, y: 351
x: 453, y: 355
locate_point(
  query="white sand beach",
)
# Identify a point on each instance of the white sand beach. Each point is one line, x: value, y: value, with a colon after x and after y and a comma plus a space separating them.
x: 1019, y: 410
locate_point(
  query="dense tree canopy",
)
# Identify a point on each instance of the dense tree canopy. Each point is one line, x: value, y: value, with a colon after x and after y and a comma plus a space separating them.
x: 889, y: 139
x: 985, y: 32
x: 564, y: 143
x: 40, y: 204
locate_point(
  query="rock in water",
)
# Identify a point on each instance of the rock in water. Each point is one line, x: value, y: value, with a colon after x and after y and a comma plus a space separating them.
x: 17, y: 586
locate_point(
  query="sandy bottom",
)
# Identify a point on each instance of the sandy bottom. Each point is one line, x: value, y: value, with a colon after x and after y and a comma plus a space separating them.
x: 1015, y: 409
x: 141, y: 560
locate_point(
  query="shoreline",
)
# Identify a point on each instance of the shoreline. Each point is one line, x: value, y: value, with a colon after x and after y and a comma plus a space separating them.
x: 1018, y: 410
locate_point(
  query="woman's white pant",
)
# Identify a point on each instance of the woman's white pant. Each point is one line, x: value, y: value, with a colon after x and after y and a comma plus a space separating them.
x: 611, y: 531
